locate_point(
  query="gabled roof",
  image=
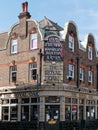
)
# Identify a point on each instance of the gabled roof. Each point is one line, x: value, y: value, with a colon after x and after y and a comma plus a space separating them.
x: 48, y: 24
x: 3, y: 40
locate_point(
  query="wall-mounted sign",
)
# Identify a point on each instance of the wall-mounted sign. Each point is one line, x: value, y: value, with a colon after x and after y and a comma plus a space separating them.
x: 53, y: 49
x: 53, y: 72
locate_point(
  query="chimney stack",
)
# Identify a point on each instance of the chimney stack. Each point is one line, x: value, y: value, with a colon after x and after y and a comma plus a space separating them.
x: 23, y: 16
x: 24, y: 13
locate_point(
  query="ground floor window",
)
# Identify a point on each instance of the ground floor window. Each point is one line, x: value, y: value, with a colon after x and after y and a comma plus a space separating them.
x: 25, y: 113
x: 74, y: 112
x: 90, y: 112
x: 29, y: 109
x: 13, y: 113
x: 81, y: 112
x: 34, y: 113
x: 70, y: 112
x: 5, y: 113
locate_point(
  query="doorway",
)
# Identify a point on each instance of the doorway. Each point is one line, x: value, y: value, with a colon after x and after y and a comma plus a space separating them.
x: 52, y: 117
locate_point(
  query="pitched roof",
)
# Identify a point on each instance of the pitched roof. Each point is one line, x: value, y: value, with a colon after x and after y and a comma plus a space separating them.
x: 3, y: 40
x: 49, y: 24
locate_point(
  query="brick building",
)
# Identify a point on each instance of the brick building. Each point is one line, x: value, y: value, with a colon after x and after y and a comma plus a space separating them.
x: 46, y: 70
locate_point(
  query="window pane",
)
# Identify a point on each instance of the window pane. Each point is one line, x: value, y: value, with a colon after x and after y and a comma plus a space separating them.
x: 33, y: 42
x: 33, y: 100
x: 25, y: 113
x: 89, y: 52
x: 67, y: 100
x: 74, y: 112
x: 13, y: 46
x: 89, y: 76
x: 33, y: 71
x: 67, y: 112
x: 14, y: 101
x: 74, y: 100
x: 71, y: 43
x: 13, y: 73
x: 5, y: 101
x: 71, y: 71
x: 25, y: 100
x: 81, y: 73
x: 13, y: 112
x: 5, y: 113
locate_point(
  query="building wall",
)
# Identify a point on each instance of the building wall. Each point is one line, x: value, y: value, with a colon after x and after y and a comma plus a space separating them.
x: 22, y: 57
x: 84, y: 62
x: 57, y: 85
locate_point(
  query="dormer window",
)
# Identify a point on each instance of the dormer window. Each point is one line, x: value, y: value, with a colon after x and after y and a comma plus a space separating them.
x: 71, y: 43
x: 14, y: 46
x: 33, y: 41
x: 89, y: 52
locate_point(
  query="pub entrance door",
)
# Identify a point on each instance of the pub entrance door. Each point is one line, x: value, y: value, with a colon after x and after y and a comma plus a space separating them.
x: 52, y: 117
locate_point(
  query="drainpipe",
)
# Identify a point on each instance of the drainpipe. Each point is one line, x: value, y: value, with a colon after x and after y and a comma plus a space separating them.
x: 78, y: 81
x: 97, y: 77
x: 40, y: 66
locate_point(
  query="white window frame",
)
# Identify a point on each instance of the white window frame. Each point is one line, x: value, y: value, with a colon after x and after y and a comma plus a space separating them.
x: 71, y: 43
x: 81, y: 74
x: 33, y: 41
x: 14, y: 46
x: 90, y: 75
x: 33, y: 67
x: 90, y: 52
x: 71, y: 71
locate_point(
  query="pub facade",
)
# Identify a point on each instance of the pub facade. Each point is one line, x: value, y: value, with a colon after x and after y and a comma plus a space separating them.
x: 46, y: 73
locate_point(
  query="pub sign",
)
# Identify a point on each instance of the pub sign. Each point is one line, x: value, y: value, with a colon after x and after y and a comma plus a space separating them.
x: 53, y: 49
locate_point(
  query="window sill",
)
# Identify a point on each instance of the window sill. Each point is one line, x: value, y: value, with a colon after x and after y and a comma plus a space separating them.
x: 12, y: 83
x: 32, y: 81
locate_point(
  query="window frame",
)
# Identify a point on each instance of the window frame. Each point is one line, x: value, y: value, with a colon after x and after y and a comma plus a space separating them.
x: 81, y: 74
x: 33, y: 38
x: 90, y: 76
x: 11, y: 73
x: 14, y: 46
x: 71, y: 71
x: 71, y: 43
x: 33, y: 67
x: 90, y: 52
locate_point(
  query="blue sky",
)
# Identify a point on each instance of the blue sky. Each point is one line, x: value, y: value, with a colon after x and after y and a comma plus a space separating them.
x: 83, y: 12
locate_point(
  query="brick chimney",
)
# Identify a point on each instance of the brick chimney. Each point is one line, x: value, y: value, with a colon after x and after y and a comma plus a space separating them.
x: 23, y: 16
x: 24, y: 12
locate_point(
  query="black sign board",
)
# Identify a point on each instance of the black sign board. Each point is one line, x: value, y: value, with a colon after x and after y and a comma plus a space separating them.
x: 53, y: 49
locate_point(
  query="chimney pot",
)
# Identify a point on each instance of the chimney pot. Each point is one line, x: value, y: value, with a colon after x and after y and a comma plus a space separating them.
x: 25, y: 7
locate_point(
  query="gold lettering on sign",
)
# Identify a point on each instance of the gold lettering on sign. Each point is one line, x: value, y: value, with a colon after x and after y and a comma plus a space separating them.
x: 53, y: 72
